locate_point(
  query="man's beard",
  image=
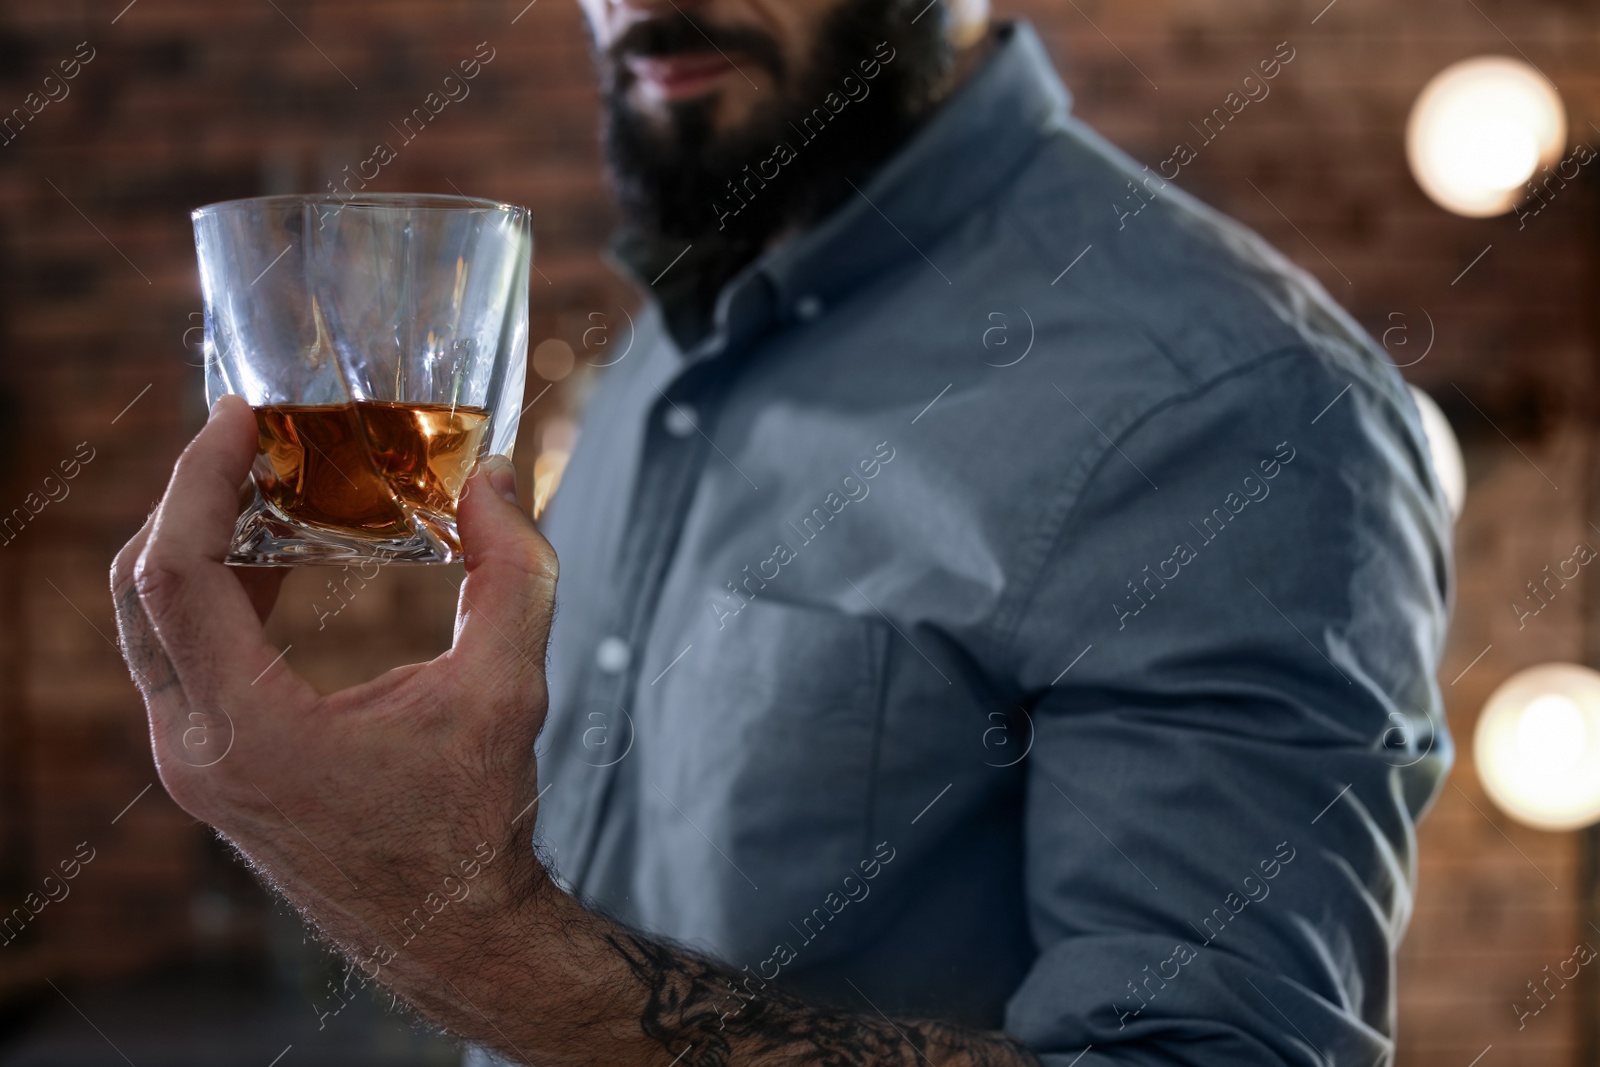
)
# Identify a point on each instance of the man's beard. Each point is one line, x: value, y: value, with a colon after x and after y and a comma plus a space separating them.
x: 687, y: 181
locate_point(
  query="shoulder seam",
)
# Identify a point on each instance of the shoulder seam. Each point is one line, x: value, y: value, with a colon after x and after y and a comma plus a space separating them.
x: 1013, y: 219
x: 1006, y: 627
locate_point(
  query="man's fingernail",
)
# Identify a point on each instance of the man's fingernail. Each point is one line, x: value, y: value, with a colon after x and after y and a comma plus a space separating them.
x: 503, y: 477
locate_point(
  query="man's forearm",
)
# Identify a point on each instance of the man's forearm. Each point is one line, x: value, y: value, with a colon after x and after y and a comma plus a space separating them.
x: 693, y: 1007
x: 572, y: 987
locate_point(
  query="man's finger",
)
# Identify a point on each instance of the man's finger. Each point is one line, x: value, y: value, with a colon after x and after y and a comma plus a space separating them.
x: 201, y: 614
x: 503, y: 623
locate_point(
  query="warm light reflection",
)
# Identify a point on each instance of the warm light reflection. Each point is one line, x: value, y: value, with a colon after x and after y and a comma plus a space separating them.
x: 556, y: 439
x: 547, y: 478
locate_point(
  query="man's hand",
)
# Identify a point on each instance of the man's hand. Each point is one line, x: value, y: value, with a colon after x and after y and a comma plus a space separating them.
x: 398, y: 814
x: 355, y: 805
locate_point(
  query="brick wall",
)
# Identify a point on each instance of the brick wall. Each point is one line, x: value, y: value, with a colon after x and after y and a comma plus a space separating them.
x: 185, y: 101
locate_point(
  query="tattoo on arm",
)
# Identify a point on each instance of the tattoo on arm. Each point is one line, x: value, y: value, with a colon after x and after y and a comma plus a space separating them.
x: 708, y: 1016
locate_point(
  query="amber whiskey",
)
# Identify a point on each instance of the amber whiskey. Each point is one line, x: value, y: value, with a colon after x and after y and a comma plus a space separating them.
x: 368, y: 467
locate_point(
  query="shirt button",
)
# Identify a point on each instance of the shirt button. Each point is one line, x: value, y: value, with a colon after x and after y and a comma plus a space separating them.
x: 611, y: 655
x: 679, y: 420
x: 808, y: 308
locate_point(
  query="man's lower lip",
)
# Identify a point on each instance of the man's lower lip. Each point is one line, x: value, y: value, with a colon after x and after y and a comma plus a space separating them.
x: 675, y: 78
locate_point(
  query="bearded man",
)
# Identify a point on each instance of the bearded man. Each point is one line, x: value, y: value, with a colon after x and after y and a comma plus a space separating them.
x: 1000, y: 603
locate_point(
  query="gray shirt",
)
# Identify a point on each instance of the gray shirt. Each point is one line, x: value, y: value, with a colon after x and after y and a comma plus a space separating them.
x: 1021, y: 608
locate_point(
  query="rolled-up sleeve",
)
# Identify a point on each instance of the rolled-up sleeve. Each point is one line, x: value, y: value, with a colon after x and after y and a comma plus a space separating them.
x: 1252, y: 589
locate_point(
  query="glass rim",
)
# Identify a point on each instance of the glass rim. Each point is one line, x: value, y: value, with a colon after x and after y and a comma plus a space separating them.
x: 413, y: 201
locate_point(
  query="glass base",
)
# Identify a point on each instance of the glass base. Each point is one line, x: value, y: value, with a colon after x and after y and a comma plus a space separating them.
x: 264, y: 539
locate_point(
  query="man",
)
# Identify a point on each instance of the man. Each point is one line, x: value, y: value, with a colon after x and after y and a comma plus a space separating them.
x: 1000, y: 601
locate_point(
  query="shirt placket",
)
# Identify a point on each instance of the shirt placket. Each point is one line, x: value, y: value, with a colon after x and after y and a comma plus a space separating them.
x: 675, y: 448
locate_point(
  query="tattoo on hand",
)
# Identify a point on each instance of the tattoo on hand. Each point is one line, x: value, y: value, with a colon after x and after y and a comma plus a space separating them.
x: 140, y: 646
x: 709, y: 1016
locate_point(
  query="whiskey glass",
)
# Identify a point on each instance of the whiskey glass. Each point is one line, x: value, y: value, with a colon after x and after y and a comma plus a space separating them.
x: 381, y: 340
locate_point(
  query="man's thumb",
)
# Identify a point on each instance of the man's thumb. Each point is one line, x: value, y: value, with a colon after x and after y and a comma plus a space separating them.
x: 503, y: 620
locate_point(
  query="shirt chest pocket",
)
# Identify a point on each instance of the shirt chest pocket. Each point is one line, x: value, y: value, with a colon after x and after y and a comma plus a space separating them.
x: 761, y: 752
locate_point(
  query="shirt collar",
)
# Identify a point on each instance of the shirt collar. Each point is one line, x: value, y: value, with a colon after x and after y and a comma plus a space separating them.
x: 949, y: 167
x: 970, y: 144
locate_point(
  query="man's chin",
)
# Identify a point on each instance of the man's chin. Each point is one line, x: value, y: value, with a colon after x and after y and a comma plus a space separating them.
x: 715, y: 115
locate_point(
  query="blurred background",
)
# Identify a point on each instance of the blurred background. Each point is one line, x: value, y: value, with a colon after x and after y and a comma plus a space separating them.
x: 161, y: 949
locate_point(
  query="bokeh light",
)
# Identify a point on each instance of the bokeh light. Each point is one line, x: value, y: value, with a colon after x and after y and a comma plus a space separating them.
x: 1479, y: 130
x: 1448, y: 465
x: 553, y: 359
x: 1537, y: 746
